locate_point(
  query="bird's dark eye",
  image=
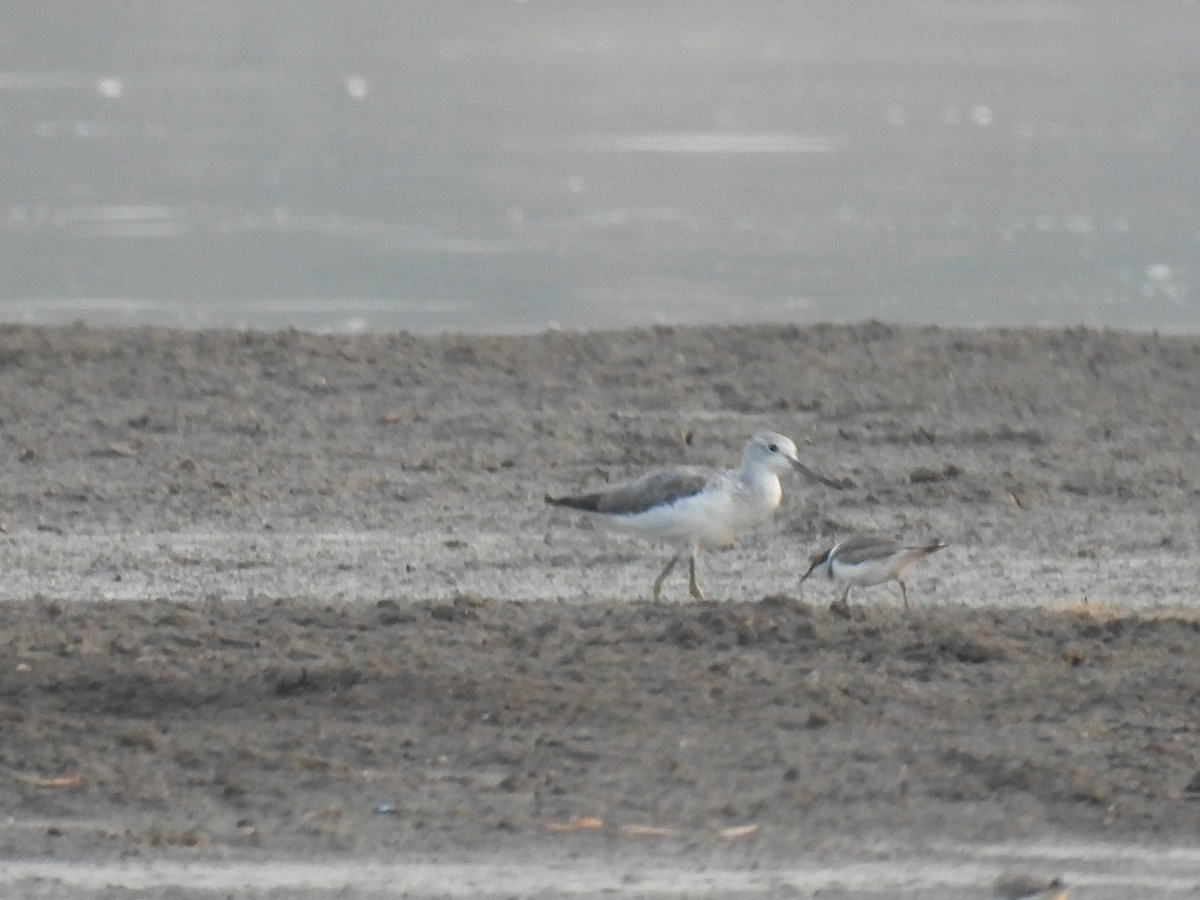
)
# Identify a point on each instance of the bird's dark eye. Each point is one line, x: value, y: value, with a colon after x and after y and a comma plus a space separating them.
x: 774, y: 448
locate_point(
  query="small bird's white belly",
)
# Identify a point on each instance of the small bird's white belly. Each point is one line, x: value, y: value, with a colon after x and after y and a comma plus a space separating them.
x: 864, y: 574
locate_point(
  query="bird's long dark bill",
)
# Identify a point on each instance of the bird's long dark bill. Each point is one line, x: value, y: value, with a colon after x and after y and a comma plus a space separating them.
x: 815, y: 476
x: 814, y: 562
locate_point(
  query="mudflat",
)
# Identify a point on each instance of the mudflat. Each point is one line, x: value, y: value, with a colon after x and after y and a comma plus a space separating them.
x: 286, y: 596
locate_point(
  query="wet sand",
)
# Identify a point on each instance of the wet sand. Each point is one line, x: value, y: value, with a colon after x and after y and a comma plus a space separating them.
x: 288, y: 597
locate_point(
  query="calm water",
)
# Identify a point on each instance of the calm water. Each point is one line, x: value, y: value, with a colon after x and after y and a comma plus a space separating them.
x: 499, y: 166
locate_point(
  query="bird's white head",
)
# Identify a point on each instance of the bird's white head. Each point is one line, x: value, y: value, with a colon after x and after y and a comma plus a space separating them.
x: 777, y: 453
x: 769, y: 450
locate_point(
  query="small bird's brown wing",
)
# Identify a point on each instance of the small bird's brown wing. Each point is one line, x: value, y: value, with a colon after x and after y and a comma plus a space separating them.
x: 655, y: 489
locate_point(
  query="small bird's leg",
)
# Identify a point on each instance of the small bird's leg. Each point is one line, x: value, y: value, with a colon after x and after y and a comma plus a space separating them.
x: 840, y: 606
x: 903, y: 593
x: 662, y: 576
x: 693, y: 588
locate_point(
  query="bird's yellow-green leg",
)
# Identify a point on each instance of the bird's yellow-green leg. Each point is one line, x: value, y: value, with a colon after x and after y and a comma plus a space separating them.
x: 662, y: 576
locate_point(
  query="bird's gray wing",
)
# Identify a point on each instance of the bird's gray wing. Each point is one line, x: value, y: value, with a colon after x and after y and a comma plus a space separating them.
x: 654, y: 489
x: 865, y: 548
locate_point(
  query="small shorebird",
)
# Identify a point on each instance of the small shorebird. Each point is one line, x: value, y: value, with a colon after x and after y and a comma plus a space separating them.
x: 693, y: 507
x: 866, y: 559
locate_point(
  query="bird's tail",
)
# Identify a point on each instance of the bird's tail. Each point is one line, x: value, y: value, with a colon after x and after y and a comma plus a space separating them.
x: 586, y: 502
x: 934, y: 547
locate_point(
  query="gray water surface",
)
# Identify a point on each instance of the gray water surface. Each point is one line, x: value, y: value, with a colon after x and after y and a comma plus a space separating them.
x: 509, y: 166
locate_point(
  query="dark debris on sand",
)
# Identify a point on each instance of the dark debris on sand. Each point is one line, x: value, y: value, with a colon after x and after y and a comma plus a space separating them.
x: 241, y: 725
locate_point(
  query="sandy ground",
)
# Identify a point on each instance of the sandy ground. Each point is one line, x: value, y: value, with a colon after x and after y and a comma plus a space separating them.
x: 273, y: 599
